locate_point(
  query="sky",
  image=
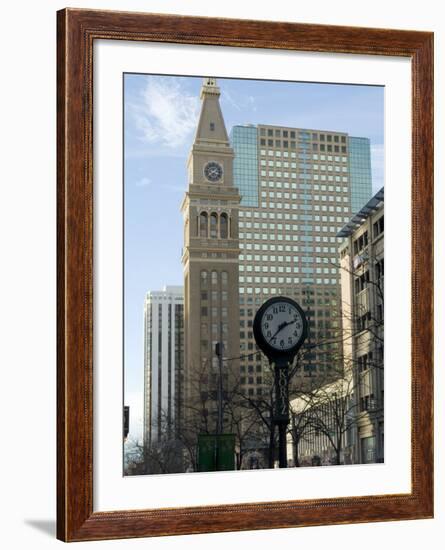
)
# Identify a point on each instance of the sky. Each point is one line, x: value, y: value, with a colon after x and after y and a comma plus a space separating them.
x: 160, y: 118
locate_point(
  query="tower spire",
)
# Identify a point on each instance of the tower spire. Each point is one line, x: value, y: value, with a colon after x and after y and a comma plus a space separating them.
x: 211, y: 127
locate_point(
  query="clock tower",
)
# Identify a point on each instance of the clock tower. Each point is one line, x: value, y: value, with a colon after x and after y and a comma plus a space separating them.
x: 210, y: 262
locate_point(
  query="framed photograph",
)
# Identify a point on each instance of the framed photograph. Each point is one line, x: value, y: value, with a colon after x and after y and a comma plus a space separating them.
x: 223, y: 359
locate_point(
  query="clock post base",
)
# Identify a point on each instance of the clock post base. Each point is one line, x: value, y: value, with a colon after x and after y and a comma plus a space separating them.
x: 282, y: 446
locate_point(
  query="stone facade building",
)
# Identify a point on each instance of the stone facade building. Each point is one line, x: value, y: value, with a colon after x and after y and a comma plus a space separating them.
x: 350, y: 411
x: 362, y: 283
x: 210, y: 261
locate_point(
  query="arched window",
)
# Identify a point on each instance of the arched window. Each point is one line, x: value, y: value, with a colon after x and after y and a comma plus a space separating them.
x: 214, y: 278
x: 203, y: 225
x: 224, y: 278
x: 213, y: 225
x: 224, y: 226
x: 204, y: 276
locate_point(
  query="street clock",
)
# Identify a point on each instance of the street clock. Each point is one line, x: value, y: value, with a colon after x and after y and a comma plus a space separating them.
x: 280, y: 328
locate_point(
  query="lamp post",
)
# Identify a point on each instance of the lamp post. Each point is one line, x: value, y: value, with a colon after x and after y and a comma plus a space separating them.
x: 219, y: 354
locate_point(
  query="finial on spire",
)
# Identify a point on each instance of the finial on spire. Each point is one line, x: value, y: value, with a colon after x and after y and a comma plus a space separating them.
x: 210, y: 81
x: 209, y: 86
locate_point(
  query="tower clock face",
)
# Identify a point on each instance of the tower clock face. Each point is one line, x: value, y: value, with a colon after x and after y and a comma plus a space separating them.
x: 280, y: 327
x: 213, y: 171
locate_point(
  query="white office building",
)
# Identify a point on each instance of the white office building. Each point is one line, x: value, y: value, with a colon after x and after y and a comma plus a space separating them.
x: 163, y: 362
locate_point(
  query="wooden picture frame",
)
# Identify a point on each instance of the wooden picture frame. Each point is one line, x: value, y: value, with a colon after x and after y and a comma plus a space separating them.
x: 77, y: 31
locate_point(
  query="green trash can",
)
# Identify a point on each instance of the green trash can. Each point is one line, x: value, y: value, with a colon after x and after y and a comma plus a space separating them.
x: 216, y: 453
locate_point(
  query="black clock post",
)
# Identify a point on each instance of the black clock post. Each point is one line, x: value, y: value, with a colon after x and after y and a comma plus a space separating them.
x: 280, y: 327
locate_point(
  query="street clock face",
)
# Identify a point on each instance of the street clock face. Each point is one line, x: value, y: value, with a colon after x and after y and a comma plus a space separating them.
x: 280, y: 327
x: 213, y: 171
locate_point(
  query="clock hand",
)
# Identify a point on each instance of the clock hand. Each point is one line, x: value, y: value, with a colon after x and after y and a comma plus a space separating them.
x: 280, y: 328
x: 283, y: 325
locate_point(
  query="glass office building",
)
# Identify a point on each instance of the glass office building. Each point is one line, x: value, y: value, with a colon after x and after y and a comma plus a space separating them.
x: 359, y: 172
x: 244, y: 140
x: 245, y: 165
x: 297, y: 193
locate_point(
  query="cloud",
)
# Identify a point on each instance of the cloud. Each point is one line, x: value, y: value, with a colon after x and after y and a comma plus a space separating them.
x: 165, y: 113
x: 230, y: 100
x: 239, y: 102
x: 252, y: 102
x: 143, y: 182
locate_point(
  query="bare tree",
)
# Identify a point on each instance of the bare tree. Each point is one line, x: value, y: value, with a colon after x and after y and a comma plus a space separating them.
x: 330, y: 411
x: 328, y: 403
